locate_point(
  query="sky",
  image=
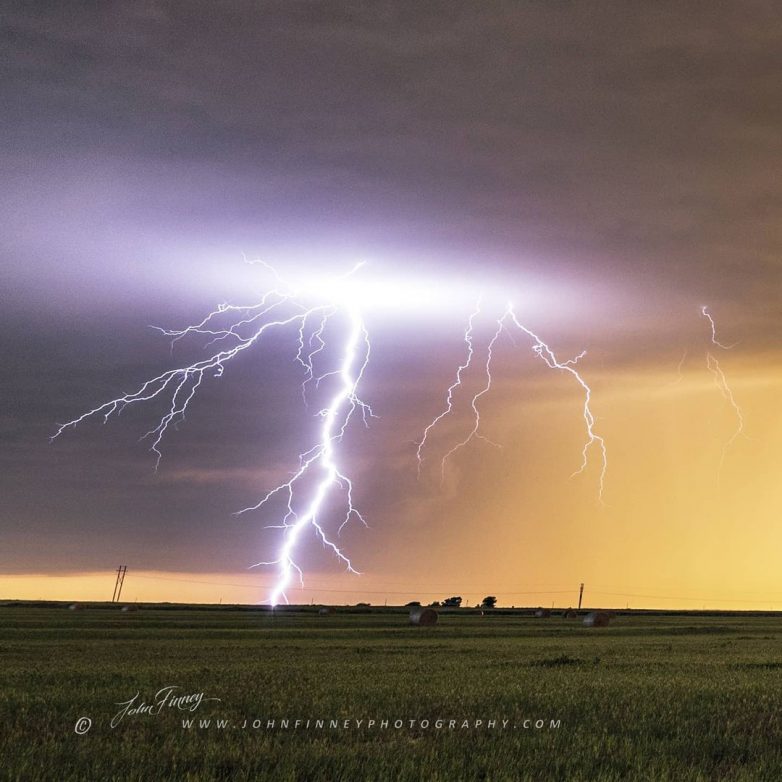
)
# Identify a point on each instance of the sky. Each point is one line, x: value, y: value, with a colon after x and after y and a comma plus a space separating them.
x: 612, y: 167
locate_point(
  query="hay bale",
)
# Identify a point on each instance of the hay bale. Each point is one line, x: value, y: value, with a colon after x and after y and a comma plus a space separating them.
x: 75, y: 607
x: 570, y: 614
x: 542, y: 613
x: 424, y: 616
x: 597, y: 619
x: 326, y: 611
x: 130, y: 607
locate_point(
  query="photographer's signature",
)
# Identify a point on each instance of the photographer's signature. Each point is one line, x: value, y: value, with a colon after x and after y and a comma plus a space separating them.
x: 165, y: 698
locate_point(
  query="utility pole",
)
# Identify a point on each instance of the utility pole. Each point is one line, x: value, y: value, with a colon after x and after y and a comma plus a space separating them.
x: 580, y: 595
x: 121, y: 570
x: 116, y: 582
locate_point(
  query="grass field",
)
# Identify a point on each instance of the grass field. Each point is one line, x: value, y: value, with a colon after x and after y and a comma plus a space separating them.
x: 658, y: 697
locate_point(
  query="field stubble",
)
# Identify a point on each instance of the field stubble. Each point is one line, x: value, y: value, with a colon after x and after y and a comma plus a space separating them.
x: 658, y: 697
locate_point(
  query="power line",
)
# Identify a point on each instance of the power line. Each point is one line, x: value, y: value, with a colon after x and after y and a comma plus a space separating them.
x: 675, y: 597
x: 414, y: 591
x: 121, y: 570
x: 610, y: 589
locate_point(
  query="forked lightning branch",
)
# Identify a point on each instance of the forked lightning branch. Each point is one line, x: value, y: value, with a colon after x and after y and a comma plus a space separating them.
x: 317, y: 501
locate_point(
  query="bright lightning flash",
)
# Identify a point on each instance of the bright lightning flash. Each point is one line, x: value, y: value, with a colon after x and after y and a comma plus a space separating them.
x: 312, y: 310
x: 238, y: 328
x: 336, y: 417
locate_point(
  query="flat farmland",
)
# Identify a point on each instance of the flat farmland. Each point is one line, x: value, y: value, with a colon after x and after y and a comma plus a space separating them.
x: 219, y: 694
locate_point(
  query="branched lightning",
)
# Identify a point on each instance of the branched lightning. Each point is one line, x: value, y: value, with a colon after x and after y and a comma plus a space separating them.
x: 336, y: 417
x: 727, y: 393
x: 307, y: 499
x: 544, y: 352
x: 474, y: 433
x: 593, y: 438
x: 706, y: 314
x: 245, y: 327
x: 463, y: 367
x: 721, y: 382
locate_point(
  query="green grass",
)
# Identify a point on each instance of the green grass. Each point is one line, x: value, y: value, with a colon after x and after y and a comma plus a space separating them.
x: 665, y: 697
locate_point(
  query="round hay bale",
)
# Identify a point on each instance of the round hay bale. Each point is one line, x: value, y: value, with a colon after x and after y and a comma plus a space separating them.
x: 423, y: 615
x: 542, y: 613
x: 597, y: 619
x: 570, y: 614
x: 130, y: 607
x: 326, y: 611
x: 75, y: 607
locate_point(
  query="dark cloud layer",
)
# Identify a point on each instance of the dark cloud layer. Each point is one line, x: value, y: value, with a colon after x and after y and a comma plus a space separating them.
x: 639, y: 141
x: 630, y: 151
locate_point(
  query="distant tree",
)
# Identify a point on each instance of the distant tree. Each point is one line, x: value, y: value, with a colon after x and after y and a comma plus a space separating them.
x: 452, y: 602
x: 489, y: 601
x: 413, y: 604
x: 435, y: 604
x: 362, y: 605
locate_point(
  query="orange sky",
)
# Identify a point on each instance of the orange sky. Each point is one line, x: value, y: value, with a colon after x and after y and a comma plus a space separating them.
x: 675, y: 530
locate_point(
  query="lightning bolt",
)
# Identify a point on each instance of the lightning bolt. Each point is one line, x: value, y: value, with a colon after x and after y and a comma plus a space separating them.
x: 319, y: 484
x: 336, y: 417
x: 245, y: 327
x: 721, y: 382
x: 679, y: 370
x: 463, y: 367
x: 547, y: 355
x: 593, y: 439
x: 714, y: 340
x: 474, y: 433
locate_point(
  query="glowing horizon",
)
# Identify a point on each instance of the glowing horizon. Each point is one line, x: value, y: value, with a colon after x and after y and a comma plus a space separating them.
x: 241, y: 588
